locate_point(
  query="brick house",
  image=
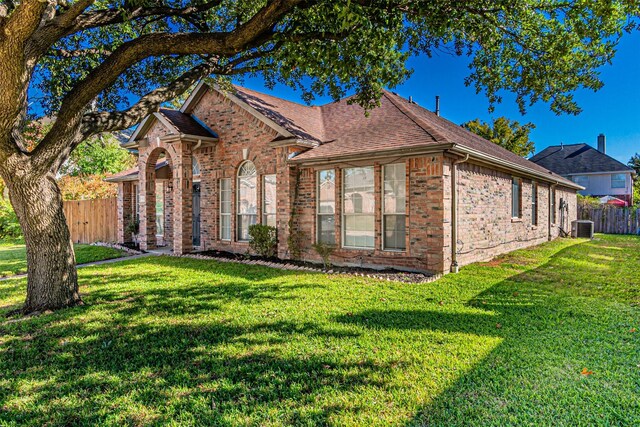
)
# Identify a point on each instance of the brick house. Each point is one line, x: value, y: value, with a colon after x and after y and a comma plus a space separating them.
x: 401, y: 187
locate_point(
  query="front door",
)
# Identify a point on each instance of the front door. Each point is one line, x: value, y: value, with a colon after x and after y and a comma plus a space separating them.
x: 196, y: 214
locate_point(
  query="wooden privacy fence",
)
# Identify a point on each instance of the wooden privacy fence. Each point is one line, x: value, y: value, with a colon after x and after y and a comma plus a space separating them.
x: 612, y: 220
x: 92, y: 221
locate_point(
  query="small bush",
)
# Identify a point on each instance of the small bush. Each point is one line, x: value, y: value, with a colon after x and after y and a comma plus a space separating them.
x: 325, y: 251
x: 264, y: 240
x: 9, y: 225
x: 133, y: 227
x: 588, y: 202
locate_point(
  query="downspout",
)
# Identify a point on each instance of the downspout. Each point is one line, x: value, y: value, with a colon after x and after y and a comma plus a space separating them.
x: 195, y: 147
x: 552, y: 187
x: 454, y: 213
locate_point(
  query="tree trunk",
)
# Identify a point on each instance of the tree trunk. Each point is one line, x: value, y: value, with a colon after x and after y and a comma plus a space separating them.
x: 52, y: 281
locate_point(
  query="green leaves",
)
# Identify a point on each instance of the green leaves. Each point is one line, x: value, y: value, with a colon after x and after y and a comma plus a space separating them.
x: 543, y: 51
x: 506, y: 133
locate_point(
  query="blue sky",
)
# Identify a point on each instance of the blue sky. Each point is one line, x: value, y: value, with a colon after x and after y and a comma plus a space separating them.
x: 614, y: 110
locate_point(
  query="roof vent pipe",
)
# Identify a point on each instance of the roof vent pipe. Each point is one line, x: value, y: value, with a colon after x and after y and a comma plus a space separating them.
x: 602, y: 143
x: 437, y: 105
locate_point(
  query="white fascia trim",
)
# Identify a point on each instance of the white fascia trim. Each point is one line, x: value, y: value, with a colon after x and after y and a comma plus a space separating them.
x: 196, y: 94
x: 135, y: 133
x: 598, y: 173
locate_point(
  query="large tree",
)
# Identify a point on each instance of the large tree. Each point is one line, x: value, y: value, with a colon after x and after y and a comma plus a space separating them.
x: 508, y: 134
x: 102, y: 66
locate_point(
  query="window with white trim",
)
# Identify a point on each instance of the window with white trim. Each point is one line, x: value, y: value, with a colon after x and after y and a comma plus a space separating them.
x: 269, y: 200
x: 159, y: 208
x: 358, y: 207
x: 394, y: 207
x: 225, y: 209
x: 618, y: 180
x: 247, y: 197
x: 516, y: 197
x: 135, y: 208
x: 326, y: 207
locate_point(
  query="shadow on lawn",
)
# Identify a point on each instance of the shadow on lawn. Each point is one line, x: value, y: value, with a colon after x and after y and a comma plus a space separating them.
x: 135, y: 356
x: 134, y: 346
x: 534, y: 375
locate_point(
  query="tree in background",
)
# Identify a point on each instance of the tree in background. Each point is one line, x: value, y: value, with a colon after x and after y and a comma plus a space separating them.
x: 99, y: 155
x: 506, y: 133
x: 102, y: 66
x: 634, y: 163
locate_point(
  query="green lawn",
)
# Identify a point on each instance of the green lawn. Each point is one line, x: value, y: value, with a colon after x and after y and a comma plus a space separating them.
x: 13, y: 258
x: 192, y: 342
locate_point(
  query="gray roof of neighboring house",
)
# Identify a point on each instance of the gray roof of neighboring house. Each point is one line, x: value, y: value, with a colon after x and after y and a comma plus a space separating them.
x: 577, y: 158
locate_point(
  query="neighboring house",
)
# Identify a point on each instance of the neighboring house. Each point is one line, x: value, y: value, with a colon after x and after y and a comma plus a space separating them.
x: 401, y: 187
x: 600, y: 174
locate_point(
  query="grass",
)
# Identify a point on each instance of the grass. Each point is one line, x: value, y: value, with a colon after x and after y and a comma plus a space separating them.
x: 167, y: 341
x: 13, y: 257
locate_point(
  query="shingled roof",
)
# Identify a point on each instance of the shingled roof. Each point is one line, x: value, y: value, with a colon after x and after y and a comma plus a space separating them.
x: 341, y: 129
x: 576, y: 159
x: 185, y: 123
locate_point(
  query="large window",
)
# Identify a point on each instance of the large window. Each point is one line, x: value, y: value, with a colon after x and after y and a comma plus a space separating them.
x: 394, y: 237
x: 516, y: 195
x: 246, y: 209
x: 225, y: 209
x: 326, y: 207
x: 269, y: 200
x: 618, y: 180
x: 159, y: 208
x: 358, y: 209
x: 534, y: 203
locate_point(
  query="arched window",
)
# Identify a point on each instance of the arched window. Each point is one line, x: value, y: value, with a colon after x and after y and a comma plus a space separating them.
x: 195, y: 166
x: 247, y: 197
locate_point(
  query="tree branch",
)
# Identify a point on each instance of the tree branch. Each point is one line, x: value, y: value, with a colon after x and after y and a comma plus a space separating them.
x: 93, y: 123
x: 255, y: 32
x: 104, y: 17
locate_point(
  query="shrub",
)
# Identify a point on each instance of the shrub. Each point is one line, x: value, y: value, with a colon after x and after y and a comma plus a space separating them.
x: 588, y: 201
x: 133, y: 227
x: 263, y: 240
x: 9, y: 225
x: 325, y: 251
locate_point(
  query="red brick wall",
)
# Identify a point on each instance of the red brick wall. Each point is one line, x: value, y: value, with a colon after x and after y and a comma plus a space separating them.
x: 237, y: 130
x: 424, y: 221
x: 485, y: 225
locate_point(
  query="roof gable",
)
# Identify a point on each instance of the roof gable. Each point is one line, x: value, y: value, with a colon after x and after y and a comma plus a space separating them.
x: 576, y: 159
x: 176, y: 123
x: 341, y: 130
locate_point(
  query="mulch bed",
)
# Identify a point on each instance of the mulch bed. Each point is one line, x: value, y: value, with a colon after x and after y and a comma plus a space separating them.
x: 382, y: 274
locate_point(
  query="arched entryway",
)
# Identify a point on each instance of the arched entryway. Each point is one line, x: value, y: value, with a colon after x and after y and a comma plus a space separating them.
x: 156, y: 200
